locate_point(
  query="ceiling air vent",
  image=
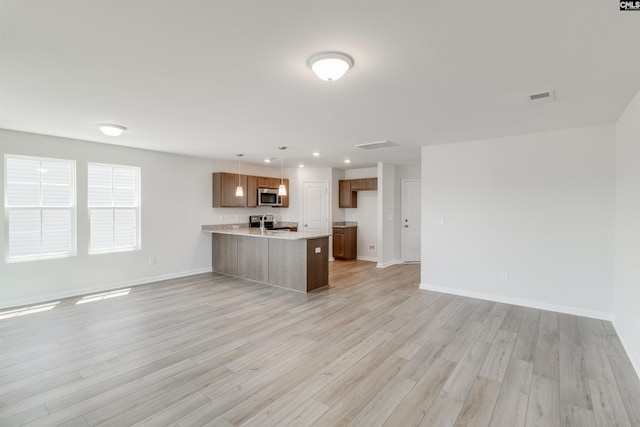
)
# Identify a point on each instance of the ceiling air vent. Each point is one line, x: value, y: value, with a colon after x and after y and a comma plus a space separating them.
x: 375, y: 145
x: 546, y: 96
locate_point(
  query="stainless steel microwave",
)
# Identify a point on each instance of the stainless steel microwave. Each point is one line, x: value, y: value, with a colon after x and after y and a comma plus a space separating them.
x: 269, y: 197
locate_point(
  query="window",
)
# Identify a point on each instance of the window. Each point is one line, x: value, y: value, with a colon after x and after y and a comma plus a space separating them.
x: 39, y: 208
x: 114, y: 208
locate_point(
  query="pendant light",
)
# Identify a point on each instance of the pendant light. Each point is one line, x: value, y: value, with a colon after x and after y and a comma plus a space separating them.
x: 239, y: 190
x: 282, y: 190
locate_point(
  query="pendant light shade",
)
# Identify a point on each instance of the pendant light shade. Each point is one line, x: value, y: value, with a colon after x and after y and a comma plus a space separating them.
x: 330, y: 66
x: 239, y: 190
x: 282, y: 189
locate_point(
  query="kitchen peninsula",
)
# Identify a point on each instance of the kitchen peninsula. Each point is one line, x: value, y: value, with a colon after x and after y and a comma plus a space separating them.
x: 287, y: 259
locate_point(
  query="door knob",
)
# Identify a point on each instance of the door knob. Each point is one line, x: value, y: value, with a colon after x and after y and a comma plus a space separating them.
x: 406, y: 226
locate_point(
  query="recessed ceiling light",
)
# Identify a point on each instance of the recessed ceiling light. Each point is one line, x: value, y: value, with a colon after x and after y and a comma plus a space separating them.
x: 111, y: 130
x: 330, y: 66
x: 316, y: 154
x: 347, y: 160
x: 267, y: 160
x: 300, y: 165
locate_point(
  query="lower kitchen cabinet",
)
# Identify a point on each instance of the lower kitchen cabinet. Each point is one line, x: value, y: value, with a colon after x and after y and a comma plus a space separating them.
x: 298, y: 264
x: 345, y: 242
x: 253, y: 258
x: 224, y: 254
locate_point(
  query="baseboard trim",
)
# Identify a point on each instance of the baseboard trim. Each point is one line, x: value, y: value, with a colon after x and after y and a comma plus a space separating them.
x: 109, y: 287
x: 367, y: 258
x: 635, y: 362
x: 388, y: 263
x: 521, y: 302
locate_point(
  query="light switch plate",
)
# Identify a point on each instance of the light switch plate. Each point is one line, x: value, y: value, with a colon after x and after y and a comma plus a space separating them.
x: 437, y: 222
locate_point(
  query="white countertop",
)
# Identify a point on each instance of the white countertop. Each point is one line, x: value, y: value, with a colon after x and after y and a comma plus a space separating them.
x: 255, y: 232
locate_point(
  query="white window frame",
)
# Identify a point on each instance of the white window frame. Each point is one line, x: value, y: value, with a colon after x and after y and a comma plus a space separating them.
x: 72, y: 209
x: 113, y: 207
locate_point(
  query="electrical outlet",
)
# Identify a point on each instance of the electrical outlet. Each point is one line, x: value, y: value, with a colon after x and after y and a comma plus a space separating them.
x: 437, y: 222
x: 318, y: 250
x: 152, y: 261
x: 504, y: 276
x: 372, y: 248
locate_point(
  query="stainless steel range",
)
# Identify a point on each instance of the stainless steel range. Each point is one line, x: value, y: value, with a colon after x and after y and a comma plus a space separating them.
x: 270, y: 222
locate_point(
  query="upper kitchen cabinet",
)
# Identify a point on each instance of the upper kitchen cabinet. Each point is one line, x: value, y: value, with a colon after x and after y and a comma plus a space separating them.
x: 346, y: 197
x: 252, y: 191
x: 224, y: 190
x: 225, y: 184
x: 364, y: 184
x: 268, y: 182
x: 285, y: 199
x: 348, y: 190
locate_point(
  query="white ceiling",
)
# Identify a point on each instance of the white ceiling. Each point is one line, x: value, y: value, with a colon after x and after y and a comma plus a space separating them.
x: 215, y: 78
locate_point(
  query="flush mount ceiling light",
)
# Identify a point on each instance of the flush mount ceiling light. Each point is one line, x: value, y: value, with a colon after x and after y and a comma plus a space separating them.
x: 111, y: 130
x: 330, y: 66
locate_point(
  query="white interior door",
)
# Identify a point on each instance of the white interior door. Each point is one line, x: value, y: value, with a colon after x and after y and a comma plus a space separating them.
x: 411, y: 206
x: 315, y: 213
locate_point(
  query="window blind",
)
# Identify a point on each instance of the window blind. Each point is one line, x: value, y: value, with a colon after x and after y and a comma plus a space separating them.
x: 114, y: 207
x: 39, y: 207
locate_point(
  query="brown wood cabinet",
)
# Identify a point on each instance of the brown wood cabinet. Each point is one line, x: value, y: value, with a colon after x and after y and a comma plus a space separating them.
x: 252, y: 191
x: 225, y: 184
x: 224, y: 190
x: 348, y: 190
x: 268, y: 182
x: 285, y: 199
x: 364, y: 184
x: 345, y: 242
x: 372, y: 183
x: 346, y: 197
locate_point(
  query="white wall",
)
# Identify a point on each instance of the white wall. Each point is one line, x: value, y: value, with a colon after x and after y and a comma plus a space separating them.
x: 627, y: 249
x: 389, y: 220
x: 538, y: 207
x: 366, y: 215
x: 337, y: 214
x: 176, y: 201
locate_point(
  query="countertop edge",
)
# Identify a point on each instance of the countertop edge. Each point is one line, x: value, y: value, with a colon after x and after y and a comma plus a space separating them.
x: 286, y: 235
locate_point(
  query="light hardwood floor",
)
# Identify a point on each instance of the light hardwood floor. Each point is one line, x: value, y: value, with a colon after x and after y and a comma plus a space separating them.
x: 371, y: 350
